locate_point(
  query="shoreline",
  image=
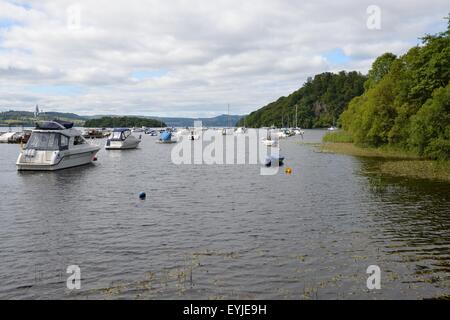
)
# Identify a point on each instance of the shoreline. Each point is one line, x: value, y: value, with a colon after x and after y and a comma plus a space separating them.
x: 396, y: 163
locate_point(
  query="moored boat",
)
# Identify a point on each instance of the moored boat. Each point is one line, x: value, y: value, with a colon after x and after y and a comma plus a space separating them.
x: 121, y: 139
x: 55, y: 145
x: 166, y: 137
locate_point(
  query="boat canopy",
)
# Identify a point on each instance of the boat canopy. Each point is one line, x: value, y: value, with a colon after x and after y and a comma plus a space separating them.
x: 165, y: 136
x: 120, y: 129
x: 54, y: 125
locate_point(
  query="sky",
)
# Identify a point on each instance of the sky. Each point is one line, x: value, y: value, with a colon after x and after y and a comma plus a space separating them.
x: 191, y: 58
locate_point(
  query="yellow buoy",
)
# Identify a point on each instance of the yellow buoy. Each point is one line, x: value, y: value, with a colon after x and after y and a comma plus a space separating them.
x: 288, y: 170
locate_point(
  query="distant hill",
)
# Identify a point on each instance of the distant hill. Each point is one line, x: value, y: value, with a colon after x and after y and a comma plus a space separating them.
x: 27, y: 119
x: 219, y: 121
x: 319, y: 102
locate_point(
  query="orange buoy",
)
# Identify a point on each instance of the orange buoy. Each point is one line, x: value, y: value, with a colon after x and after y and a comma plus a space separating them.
x: 288, y: 170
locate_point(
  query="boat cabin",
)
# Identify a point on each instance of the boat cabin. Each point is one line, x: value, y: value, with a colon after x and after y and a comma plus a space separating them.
x: 120, y: 134
x: 54, y: 136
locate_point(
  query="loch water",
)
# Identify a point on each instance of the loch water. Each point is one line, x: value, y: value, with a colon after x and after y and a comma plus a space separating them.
x: 221, y: 231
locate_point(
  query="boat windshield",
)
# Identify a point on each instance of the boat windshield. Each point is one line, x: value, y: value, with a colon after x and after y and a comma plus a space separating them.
x: 120, y: 135
x: 44, y: 141
x: 116, y: 135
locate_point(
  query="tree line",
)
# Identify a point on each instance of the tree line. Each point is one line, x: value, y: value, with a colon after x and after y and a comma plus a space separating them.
x: 318, y: 103
x: 406, y: 102
x: 123, y: 122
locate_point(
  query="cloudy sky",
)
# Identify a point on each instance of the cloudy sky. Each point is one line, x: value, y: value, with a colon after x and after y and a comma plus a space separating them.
x: 191, y: 57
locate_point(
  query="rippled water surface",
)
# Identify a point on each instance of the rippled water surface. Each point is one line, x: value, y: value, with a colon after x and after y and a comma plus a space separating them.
x: 209, y: 232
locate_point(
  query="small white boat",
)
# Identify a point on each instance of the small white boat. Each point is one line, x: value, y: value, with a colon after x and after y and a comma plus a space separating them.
x: 182, y: 132
x: 270, y: 143
x: 280, y: 134
x: 121, y: 139
x: 139, y: 130
x: 9, y: 137
x: 55, y: 145
x: 189, y: 134
x: 332, y: 128
x: 298, y: 132
x: 193, y: 136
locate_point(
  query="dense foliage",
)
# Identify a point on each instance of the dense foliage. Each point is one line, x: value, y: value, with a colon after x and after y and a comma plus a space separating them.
x: 123, y: 122
x: 407, y: 101
x: 319, y: 102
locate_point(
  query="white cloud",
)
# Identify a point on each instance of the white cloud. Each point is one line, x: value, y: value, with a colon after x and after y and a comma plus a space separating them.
x: 246, y: 53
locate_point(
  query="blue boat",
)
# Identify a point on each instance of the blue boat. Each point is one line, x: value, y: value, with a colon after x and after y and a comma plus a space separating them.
x: 166, y: 137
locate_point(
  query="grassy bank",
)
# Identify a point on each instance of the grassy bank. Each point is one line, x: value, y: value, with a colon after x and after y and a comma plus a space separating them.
x: 422, y: 169
x: 338, y: 137
x: 353, y: 150
x: 396, y: 162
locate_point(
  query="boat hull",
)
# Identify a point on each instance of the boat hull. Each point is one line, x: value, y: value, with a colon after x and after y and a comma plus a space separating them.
x: 125, y: 145
x: 65, y: 162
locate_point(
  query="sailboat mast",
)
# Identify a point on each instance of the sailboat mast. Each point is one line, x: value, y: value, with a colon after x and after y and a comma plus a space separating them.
x: 296, y: 116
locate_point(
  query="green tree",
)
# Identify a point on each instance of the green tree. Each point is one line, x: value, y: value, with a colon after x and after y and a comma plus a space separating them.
x: 430, y: 129
x: 380, y: 68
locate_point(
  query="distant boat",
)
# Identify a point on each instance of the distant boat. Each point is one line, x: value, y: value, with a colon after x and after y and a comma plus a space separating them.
x: 95, y: 133
x: 166, y: 137
x: 189, y: 134
x: 332, y: 128
x: 193, y: 136
x: 240, y: 130
x: 10, y: 137
x: 274, y: 161
x: 138, y: 129
x: 268, y: 141
x: 281, y: 134
x: 152, y: 133
x: 121, y: 139
x: 298, y: 132
x: 55, y: 145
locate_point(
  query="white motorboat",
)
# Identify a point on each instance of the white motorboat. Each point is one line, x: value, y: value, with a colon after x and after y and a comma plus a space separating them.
x: 268, y: 141
x: 299, y: 132
x: 240, y: 130
x: 139, y: 130
x: 55, y: 145
x: 194, y: 136
x: 9, y: 137
x: 332, y: 128
x: 121, y: 139
x: 189, y: 134
x: 281, y: 134
x: 182, y: 132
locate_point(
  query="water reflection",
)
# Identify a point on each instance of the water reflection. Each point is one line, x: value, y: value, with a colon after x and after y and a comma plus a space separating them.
x: 415, y: 223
